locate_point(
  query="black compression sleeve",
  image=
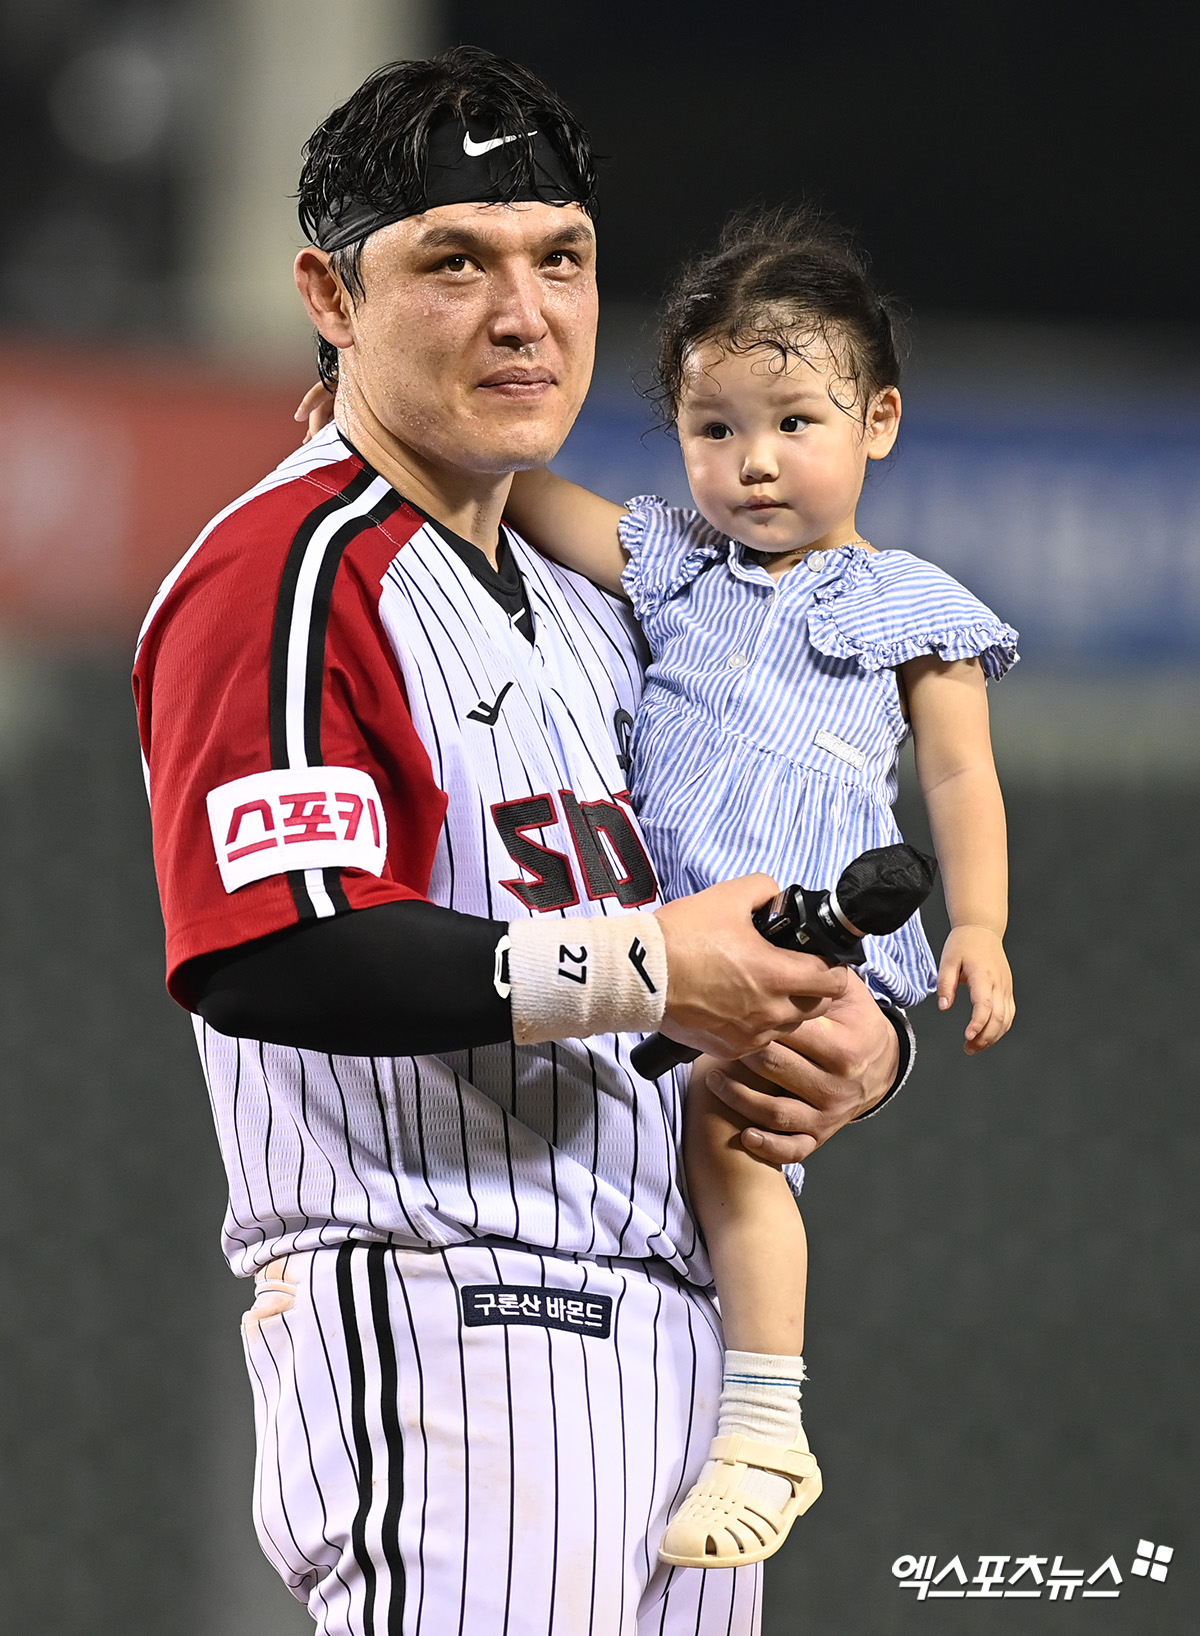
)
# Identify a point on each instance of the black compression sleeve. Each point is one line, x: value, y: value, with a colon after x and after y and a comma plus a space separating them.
x: 394, y: 980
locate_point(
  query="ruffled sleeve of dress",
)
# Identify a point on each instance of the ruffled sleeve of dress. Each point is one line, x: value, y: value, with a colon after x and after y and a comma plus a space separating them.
x: 890, y: 607
x: 668, y: 546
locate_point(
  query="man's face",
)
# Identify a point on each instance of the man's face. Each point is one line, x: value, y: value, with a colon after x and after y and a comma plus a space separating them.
x: 474, y: 340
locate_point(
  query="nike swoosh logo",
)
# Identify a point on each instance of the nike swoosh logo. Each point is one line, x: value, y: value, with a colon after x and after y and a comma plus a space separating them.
x: 489, y: 714
x: 473, y: 150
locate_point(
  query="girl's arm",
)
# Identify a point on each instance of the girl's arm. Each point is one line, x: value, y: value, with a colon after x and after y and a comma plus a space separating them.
x: 947, y: 703
x: 570, y: 524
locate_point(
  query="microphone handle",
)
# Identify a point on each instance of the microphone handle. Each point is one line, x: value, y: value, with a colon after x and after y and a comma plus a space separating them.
x: 656, y: 1056
x: 797, y: 919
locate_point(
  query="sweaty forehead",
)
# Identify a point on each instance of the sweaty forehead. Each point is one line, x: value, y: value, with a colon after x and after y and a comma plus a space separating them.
x: 502, y: 228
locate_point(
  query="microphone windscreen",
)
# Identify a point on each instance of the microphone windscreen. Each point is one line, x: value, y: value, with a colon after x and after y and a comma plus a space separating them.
x: 882, y: 888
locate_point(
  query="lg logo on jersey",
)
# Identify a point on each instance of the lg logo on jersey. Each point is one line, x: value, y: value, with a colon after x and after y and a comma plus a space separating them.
x: 489, y: 714
x: 296, y: 818
x: 609, y: 858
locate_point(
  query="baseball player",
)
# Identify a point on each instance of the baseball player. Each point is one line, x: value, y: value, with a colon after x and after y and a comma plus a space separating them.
x: 408, y: 902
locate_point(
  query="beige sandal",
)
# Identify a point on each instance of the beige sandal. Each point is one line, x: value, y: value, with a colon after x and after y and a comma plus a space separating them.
x: 719, y: 1526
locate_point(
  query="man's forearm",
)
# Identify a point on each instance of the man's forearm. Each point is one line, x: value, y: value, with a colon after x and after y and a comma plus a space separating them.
x: 404, y: 979
x: 399, y: 979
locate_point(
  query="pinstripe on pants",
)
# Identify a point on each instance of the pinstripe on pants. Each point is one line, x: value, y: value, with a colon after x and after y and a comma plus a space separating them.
x: 417, y: 1477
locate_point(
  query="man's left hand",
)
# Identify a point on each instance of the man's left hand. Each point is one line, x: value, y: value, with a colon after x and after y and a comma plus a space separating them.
x: 795, y: 1093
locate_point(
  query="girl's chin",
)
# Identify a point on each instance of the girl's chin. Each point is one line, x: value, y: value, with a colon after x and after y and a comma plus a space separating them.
x: 769, y: 540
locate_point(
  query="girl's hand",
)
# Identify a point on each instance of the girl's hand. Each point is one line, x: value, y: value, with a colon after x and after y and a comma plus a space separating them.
x: 974, y: 955
x: 315, y: 407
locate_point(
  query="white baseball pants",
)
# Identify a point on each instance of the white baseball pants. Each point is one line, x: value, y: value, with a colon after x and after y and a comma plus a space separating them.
x: 485, y: 1441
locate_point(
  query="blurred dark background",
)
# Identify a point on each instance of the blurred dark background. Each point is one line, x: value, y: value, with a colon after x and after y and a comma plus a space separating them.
x: 1015, y: 158
x: 1004, y: 1264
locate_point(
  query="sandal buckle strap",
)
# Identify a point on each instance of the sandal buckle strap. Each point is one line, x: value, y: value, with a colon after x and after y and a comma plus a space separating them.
x: 795, y: 1463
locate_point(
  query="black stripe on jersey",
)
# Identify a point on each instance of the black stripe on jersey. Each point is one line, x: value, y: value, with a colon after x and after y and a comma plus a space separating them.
x: 389, y: 1409
x: 305, y: 908
x: 280, y: 633
x: 337, y: 895
x: 362, y: 1437
x: 285, y: 605
x: 425, y: 1484
x: 466, y: 1444
x: 314, y: 677
x: 314, y: 681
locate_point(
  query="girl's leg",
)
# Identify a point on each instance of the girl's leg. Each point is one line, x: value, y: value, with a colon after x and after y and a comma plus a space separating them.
x: 760, y: 1475
x: 754, y: 1232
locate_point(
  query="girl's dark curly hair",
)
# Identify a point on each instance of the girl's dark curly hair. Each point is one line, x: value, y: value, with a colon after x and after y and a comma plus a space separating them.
x: 783, y: 279
x: 372, y: 150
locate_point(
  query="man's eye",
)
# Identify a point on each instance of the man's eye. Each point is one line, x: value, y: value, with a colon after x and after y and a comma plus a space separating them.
x: 455, y: 264
x: 717, y: 431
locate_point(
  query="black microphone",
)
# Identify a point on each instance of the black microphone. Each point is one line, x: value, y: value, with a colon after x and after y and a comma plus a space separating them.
x: 876, y: 893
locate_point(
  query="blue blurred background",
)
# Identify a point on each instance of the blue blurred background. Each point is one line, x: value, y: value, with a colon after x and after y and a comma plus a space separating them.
x: 1004, y: 1318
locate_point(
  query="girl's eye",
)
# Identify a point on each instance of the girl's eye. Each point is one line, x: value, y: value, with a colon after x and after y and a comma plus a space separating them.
x: 790, y: 423
x: 717, y: 431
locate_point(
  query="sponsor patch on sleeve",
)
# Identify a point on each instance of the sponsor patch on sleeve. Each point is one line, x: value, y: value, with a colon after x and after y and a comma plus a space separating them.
x: 302, y: 818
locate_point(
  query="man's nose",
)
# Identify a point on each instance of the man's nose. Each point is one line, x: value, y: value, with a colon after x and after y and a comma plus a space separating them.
x: 518, y: 319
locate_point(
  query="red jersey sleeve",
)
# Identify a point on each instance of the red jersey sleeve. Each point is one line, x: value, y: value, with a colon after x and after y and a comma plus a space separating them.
x: 286, y: 778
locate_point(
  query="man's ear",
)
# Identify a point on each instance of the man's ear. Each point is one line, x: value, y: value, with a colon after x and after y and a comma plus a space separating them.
x: 324, y: 296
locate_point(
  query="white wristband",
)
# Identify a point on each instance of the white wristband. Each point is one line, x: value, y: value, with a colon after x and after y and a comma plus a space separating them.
x: 569, y: 979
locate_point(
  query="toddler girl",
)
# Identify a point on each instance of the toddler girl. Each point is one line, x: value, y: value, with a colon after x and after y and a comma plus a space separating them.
x: 791, y: 660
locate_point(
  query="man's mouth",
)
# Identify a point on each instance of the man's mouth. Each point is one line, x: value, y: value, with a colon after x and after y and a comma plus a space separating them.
x: 516, y: 383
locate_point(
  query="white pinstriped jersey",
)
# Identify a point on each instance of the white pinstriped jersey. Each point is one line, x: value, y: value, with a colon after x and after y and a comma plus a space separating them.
x: 771, y: 724
x: 324, y: 663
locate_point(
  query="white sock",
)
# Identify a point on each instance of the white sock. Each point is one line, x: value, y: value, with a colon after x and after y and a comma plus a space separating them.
x: 760, y: 1398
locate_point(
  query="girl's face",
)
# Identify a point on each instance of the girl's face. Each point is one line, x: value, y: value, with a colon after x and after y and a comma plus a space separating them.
x: 772, y: 459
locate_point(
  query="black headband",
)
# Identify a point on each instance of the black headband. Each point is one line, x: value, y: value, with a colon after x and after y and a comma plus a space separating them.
x: 467, y: 162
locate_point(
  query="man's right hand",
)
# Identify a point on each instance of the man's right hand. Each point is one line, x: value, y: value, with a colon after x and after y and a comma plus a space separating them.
x: 729, y: 991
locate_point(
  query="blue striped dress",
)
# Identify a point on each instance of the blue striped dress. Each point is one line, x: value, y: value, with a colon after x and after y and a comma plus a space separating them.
x: 770, y: 728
